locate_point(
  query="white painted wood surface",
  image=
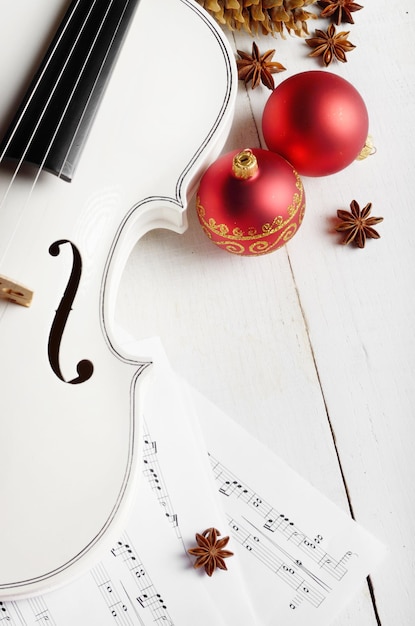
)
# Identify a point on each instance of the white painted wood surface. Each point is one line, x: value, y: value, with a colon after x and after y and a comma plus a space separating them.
x: 312, y: 348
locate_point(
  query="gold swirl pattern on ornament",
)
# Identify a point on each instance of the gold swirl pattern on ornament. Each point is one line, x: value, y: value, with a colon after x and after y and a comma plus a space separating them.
x: 259, y: 247
x: 263, y: 247
x: 267, y: 229
x: 232, y: 246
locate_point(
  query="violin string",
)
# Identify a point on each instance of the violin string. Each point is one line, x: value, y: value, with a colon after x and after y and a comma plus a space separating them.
x: 95, y: 82
x: 60, y: 121
x: 19, y: 165
x: 71, y: 96
x: 39, y: 80
x: 74, y: 89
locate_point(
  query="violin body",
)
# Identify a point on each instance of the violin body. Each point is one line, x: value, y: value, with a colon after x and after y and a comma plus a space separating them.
x: 70, y: 398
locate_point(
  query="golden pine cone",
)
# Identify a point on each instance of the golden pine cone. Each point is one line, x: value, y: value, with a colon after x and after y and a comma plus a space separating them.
x: 261, y: 16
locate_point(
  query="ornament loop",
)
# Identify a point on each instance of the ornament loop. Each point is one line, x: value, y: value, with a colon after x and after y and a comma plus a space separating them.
x: 245, y: 164
x: 367, y: 150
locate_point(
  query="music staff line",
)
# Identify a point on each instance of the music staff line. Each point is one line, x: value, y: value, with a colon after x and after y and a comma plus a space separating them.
x: 41, y: 611
x: 274, y: 521
x: 148, y: 596
x: 111, y: 597
x: 152, y: 471
x: 11, y: 613
x: 154, y: 474
x: 5, y: 617
x: 131, y: 600
x: 286, y: 572
x: 290, y: 558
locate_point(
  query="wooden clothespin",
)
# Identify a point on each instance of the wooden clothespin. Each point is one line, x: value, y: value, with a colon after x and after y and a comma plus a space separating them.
x: 14, y: 292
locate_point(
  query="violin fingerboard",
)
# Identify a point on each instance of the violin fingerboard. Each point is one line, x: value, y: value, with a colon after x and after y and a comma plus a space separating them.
x: 53, y: 122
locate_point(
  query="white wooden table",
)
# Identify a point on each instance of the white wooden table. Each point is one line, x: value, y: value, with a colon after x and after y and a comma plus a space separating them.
x: 311, y: 348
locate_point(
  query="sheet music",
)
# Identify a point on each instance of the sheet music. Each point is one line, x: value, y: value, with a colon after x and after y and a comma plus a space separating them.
x: 302, y: 558
x: 298, y: 558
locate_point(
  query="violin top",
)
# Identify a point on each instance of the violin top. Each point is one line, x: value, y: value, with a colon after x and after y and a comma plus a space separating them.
x: 70, y: 397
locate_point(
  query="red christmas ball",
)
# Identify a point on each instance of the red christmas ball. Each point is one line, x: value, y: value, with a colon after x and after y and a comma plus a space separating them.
x: 250, y: 202
x: 317, y: 121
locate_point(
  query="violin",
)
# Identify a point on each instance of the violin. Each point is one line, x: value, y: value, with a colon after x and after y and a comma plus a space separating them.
x: 110, y: 111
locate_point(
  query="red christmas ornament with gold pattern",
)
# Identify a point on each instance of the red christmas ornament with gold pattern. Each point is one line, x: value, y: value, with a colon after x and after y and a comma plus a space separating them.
x: 317, y: 121
x: 250, y: 202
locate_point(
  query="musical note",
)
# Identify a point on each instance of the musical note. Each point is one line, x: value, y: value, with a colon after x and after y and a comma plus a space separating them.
x: 30, y: 612
x: 149, y: 448
x: 122, y: 549
x: 148, y: 597
x: 340, y: 565
x: 287, y: 572
x: 153, y: 478
x: 153, y: 600
x: 117, y: 607
x: 289, y: 569
x: 275, y: 521
x: 152, y: 471
x: 41, y: 611
x: 4, y: 614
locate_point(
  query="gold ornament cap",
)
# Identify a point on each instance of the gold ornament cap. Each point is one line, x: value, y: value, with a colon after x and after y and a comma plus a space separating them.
x: 245, y: 164
x: 367, y: 150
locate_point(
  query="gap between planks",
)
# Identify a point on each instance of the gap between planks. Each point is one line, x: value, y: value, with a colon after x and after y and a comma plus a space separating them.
x: 333, y: 434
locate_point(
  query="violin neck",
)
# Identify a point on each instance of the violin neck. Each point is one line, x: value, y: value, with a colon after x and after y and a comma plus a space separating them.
x: 57, y: 112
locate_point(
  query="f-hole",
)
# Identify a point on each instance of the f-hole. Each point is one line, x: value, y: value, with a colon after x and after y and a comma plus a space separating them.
x: 84, y: 367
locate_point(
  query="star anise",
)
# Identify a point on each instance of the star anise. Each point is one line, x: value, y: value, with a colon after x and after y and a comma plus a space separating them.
x: 210, y: 551
x: 258, y: 68
x: 330, y: 45
x: 339, y: 10
x: 357, y: 225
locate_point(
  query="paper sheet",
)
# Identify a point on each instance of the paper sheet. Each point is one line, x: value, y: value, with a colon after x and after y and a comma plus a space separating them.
x: 298, y: 559
x: 303, y: 559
